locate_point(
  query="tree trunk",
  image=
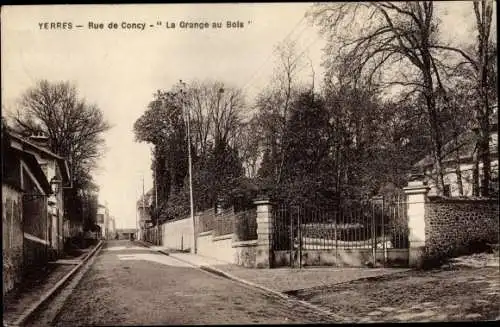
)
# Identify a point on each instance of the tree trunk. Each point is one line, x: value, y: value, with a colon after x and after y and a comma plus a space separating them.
x: 484, y: 126
x: 483, y: 11
x: 475, y: 174
x: 436, y: 144
x: 458, y: 171
x: 430, y: 99
x: 484, y: 158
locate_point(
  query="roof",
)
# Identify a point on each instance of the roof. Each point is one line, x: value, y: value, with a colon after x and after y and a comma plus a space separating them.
x: 63, y: 164
x: 33, y: 166
x: 466, y: 146
x: 19, y: 137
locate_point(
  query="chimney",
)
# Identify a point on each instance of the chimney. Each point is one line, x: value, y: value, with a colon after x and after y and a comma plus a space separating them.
x: 40, y: 138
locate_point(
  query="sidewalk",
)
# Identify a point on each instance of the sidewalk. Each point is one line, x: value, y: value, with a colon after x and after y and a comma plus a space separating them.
x: 281, y: 280
x: 36, y: 285
x: 17, y: 301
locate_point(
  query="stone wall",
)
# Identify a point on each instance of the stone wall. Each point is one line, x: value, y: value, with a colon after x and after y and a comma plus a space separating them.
x: 453, y: 225
x: 178, y: 234
x: 245, y: 253
x: 215, y: 237
x: 12, y: 237
x: 217, y: 247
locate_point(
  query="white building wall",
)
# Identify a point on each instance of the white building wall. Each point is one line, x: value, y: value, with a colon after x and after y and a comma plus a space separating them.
x: 450, y: 177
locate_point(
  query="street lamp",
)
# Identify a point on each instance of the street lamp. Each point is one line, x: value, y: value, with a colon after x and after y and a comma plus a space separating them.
x: 55, y: 185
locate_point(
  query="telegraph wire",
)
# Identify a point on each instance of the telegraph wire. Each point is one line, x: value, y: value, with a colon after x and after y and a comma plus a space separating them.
x: 299, y: 56
x: 272, y: 52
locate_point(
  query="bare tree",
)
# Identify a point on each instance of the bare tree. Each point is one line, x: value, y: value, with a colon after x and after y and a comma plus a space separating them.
x: 216, y: 113
x: 248, y: 145
x: 477, y: 64
x: 274, y: 103
x: 75, y: 131
x: 483, y: 10
x: 388, y: 45
x: 74, y: 127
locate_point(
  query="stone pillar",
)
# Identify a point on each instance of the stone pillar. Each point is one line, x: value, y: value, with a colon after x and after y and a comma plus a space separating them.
x: 265, y: 233
x: 416, y: 198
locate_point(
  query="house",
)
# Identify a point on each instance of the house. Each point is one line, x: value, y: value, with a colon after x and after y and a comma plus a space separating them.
x: 462, y: 149
x: 56, y: 171
x: 110, y: 228
x: 32, y: 182
x: 126, y: 233
x: 102, y: 220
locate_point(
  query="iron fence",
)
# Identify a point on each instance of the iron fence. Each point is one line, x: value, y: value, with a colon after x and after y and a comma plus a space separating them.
x: 351, y: 224
x: 224, y: 222
x: 245, y: 227
x: 206, y: 221
x: 153, y: 235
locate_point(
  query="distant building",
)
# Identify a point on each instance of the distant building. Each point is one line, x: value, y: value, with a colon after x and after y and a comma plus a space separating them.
x: 126, y: 233
x: 102, y: 219
x: 111, y: 228
x: 464, y: 150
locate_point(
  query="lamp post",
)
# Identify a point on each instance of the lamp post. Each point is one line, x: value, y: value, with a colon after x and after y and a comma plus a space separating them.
x: 55, y: 186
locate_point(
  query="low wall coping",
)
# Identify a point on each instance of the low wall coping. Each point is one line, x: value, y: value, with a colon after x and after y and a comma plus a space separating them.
x: 222, y: 237
x: 210, y: 232
x: 238, y: 244
x: 175, y: 220
x: 444, y: 199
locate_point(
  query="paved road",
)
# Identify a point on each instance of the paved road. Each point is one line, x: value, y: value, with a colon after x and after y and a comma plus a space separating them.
x: 133, y: 285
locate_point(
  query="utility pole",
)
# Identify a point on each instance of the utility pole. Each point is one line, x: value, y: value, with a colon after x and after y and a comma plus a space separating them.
x: 143, y: 205
x: 156, y: 206
x: 136, y: 216
x: 190, y: 168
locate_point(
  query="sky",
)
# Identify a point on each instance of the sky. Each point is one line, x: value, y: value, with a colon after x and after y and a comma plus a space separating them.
x: 119, y: 69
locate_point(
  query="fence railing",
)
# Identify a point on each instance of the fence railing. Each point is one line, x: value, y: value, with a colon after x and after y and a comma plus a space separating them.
x: 206, y: 221
x: 224, y: 222
x: 245, y: 228
x: 396, y: 210
x: 153, y: 235
x: 353, y: 224
x: 243, y: 224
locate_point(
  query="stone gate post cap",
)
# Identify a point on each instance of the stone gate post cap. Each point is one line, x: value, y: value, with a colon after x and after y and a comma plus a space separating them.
x: 419, y: 187
x: 417, y: 183
x: 417, y: 176
x: 262, y: 200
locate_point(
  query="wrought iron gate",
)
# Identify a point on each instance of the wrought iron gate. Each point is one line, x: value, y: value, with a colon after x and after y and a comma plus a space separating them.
x: 352, y: 232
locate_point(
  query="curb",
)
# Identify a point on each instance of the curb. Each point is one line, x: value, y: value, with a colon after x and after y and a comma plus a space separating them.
x: 226, y: 275
x: 45, y: 297
x: 143, y: 243
x: 148, y: 245
x: 281, y: 295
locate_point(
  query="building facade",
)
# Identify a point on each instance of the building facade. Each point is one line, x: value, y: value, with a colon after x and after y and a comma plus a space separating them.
x: 458, y: 160
x: 33, y: 180
x: 103, y: 220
